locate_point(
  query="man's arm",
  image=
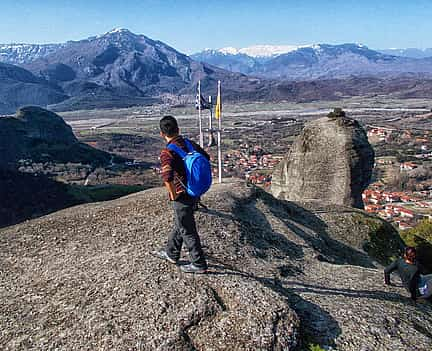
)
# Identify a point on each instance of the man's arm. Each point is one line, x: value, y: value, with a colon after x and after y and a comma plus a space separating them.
x: 413, y: 287
x: 388, y: 270
x: 168, y: 173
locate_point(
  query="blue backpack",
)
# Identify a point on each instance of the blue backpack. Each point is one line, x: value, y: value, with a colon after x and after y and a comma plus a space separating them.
x: 198, y: 169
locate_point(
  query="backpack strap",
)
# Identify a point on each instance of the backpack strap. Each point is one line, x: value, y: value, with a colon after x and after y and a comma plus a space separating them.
x: 189, y: 146
x: 177, y: 150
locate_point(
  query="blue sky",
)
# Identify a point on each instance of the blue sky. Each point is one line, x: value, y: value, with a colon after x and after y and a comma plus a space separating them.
x: 190, y: 26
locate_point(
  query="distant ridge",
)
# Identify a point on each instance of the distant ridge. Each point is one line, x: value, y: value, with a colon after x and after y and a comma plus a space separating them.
x: 262, y: 50
x: 409, y: 52
x: 18, y: 54
x: 317, y: 61
x: 20, y: 87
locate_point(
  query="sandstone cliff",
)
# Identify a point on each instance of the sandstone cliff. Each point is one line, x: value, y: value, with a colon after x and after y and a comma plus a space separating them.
x: 281, y: 274
x: 331, y: 161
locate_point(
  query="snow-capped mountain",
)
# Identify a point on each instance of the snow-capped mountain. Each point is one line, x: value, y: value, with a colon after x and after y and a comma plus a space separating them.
x: 245, y: 60
x: 313, y: 61
x: 409, y: 52
x: 22, y: 54
x: 255, y: 59
x: 262, y: 51
x: 25, y: 53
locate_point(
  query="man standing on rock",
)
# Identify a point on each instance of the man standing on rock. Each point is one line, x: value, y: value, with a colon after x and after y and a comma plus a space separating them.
x: 174, y: 177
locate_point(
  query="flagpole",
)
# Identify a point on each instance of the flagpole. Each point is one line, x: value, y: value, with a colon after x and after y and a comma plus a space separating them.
x: 201, y: 137
x: 219, y: 136
x: 210, y: 118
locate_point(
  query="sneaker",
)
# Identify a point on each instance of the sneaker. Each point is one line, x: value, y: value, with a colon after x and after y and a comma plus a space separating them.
x: 162, y: 254
x: 192, y: 268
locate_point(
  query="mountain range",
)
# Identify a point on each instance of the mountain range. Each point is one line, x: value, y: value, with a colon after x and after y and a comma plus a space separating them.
x: 269, y: 51
x: 118, y: 68
x: 121, y: 69
x: 320, y: 61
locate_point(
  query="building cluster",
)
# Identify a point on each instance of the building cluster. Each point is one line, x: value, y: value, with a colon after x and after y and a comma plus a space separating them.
x: 401, y: 208
x: 382, y: 134
x: 260, y: 179
x: 251, y: 163
x: 422, y: 140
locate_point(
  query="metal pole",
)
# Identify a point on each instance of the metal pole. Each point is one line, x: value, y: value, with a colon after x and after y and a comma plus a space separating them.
x: 210, y: 118
x: 219, y: 136
x: 211, y: 141
x: 201, y: 137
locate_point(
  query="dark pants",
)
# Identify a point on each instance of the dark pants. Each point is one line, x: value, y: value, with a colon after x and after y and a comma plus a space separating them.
x: 185, y: 231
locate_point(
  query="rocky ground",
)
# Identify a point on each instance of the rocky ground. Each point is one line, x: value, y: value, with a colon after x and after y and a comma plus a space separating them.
x: 282, y: 275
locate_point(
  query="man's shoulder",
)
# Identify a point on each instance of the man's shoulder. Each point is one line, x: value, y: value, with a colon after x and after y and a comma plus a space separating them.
x: 165, y: 152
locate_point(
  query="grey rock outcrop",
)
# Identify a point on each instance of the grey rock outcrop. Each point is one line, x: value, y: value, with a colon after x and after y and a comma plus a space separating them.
x: 331, y: 162
x: 41, y: 135
x: 41, y: 124
x: 20, y: 134
x: 281, y: 274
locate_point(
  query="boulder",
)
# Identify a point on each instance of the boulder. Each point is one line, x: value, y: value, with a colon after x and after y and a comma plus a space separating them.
x: 330, y: 162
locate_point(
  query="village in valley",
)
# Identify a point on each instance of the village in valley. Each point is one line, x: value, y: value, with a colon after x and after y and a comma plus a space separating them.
x: 402, y: 190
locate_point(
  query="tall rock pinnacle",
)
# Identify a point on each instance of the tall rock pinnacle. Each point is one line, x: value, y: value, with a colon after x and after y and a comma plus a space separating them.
x: 331, y: 162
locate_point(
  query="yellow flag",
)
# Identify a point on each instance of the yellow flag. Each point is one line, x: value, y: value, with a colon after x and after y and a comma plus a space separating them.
x: 218, y: 111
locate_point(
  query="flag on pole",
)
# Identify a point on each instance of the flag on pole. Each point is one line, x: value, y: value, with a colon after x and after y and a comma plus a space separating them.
x: 199, y: 99
x: 200, y: 102
x: 218, y: 111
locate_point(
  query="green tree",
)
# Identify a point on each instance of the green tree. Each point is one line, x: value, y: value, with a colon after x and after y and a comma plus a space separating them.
x: 337, y: 112
x: 421, y: 238
x: 421, y: 232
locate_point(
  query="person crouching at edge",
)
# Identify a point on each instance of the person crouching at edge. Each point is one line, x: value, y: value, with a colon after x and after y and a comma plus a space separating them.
x: 174, y: 177
x: 409, y: 270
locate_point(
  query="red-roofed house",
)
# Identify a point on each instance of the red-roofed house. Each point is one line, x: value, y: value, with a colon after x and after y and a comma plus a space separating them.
x: 404, y: 226
x: 406, y: 213
x: 373, y: 208
x: 407, y: 166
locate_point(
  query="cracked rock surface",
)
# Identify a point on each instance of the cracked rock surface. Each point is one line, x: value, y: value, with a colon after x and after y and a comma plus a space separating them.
x: 282, y: 274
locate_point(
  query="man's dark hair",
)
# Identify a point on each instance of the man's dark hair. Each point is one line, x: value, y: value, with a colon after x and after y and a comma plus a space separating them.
x: 168, y: 126
x: 410, y: 253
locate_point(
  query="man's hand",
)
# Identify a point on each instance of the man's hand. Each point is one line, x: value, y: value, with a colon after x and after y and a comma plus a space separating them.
x: 174, y: 197
x: 171, y: 191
